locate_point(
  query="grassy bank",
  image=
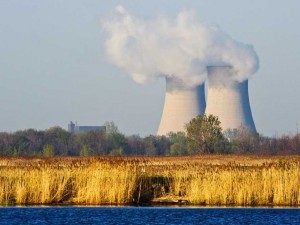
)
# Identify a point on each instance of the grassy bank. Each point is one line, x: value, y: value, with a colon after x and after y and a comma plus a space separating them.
x: 204, y: 180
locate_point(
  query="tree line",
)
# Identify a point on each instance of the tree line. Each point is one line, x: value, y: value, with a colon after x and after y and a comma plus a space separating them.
x: 203, y: 136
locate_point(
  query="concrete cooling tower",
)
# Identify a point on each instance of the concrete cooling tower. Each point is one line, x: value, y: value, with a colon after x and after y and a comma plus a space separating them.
x: 182, y: 103
x: 228, y: 99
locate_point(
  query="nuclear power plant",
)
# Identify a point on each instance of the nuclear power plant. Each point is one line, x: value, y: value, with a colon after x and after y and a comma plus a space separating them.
x: 182, y: 103
x: 197, y: 58
x: 226, y: 98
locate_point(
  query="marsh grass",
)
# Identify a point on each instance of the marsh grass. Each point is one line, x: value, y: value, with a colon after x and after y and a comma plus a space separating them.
x: 201, y: 180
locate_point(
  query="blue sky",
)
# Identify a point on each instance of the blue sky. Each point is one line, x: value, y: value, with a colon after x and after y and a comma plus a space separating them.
x: 53, y: 67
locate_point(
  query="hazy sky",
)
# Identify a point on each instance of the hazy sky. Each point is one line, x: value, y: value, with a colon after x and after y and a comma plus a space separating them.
x: 53, y: 66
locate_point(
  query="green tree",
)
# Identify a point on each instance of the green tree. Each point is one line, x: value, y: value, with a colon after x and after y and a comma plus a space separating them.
x: 48, y: 150
x: 20, y: 143
x: 86, y: 150
x: 116, y: 140
x: 59, y: 138
x: 203, y: 134
x: 178, y: 143
x: 149, y: 145
x: 175, y: 149
x: 96, y: 141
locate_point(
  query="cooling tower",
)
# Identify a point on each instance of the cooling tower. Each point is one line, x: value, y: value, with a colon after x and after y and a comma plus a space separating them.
x: 182, y: 103
x: 228, y: 99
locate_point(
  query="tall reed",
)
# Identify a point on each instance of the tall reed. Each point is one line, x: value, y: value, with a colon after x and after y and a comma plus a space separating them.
x: 205, y: 180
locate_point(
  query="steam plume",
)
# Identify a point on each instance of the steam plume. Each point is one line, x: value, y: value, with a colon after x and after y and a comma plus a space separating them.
x: 181, y: 48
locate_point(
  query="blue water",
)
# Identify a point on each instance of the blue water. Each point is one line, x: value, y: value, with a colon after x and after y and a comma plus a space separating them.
x: 147, y: 215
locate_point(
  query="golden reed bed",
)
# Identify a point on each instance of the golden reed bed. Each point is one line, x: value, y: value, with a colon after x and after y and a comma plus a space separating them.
x: 204, y: 180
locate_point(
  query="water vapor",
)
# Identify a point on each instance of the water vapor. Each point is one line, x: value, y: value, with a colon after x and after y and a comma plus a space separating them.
x: 179, y: 48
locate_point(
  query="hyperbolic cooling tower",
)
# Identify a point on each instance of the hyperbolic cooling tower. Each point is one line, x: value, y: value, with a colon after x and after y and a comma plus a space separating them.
x: 228, y: 99
x: 182, y: 103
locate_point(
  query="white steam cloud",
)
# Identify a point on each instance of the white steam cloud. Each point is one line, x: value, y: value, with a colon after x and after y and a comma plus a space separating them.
x: 180, y: 48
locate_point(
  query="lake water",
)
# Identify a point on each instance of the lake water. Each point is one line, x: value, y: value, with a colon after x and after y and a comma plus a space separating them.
x: 147, y: 215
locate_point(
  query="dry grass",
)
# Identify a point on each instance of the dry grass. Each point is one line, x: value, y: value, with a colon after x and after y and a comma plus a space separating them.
x: 207, y: 180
